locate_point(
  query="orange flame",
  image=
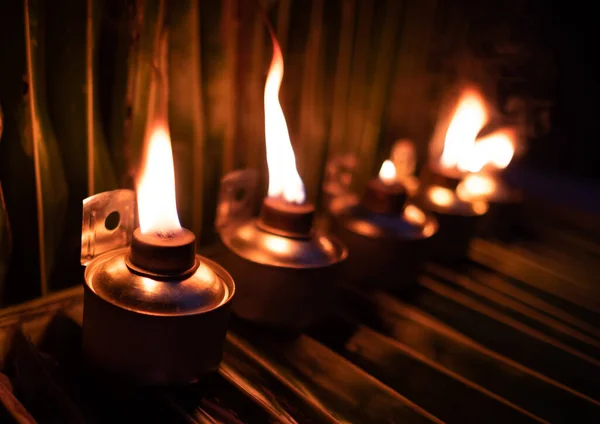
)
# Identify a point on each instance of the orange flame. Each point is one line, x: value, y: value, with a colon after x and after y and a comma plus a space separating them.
x: 284, y: 180
x: 495, y: 150
x: 469, y: 118
x: 157, y: 208
x: 461, y: 148
x: 387, y: 173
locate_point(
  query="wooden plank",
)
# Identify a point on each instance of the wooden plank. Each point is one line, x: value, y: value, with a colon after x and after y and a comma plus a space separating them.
x: 523, y: 313
x: 317, y: 373
x: 452, y: 349
x: 441, y: 391
x: 531, y: 273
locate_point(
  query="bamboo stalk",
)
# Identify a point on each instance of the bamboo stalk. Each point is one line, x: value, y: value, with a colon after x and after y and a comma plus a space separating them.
x: 215, y: 92
x: 283, y: 23
x: 144, y: 87
x: 35, y: 130
x: 256, y: 153
x: 100, y: 169
x: 186, y: 109
x: 250, y: 79
x: 5, y: 242
x: 311, y: 131
x: 342, y: 78
x: 197, y: 113
x: 90, y: 98
x: 50, y: 185
x: 229, y: 33
x: 369, y: 136
x: 358, y: 86
x: 408, y: 111
x: 418, y: 37
x: 126, y: 50
x: 5, y: 234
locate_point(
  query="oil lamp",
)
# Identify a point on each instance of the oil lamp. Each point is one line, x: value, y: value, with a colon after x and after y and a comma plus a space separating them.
x: 386, y: 235
x: 283, y: 266
x: 155, y: 312
x: 458, y: 218
x: 492, y: 154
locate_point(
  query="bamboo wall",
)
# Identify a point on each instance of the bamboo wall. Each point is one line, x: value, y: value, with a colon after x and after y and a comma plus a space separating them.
x: 77, y: 80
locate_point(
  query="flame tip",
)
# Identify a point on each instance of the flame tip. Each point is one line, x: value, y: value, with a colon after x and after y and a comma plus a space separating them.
x: 387, y: 173
x: 284, y: 180
x: 157, y: 207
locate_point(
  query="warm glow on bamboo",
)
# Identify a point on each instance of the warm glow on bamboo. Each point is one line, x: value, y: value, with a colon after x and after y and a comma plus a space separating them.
x: 157, y: 207
x: 284, y: 181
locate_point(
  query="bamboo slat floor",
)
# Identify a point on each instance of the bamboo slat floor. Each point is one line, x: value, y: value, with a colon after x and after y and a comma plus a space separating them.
x: 507, y: 336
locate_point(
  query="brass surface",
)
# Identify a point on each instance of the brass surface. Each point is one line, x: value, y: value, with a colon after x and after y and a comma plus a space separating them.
x: 150, y: 330
x: 373, y: 225
x: 207, y: 288
x: 250, y: 242
x: 458, y: 207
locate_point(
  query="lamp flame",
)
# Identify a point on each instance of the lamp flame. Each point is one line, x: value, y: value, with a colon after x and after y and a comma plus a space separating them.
x: 387, y: 173
x: 284, y: 180
x: 494, y: 150
x: 463, y: 150
x: 469, y: 118
x: 157, y: 208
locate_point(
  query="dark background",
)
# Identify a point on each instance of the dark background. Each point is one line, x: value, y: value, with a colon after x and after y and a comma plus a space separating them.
x: 571, y: 147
